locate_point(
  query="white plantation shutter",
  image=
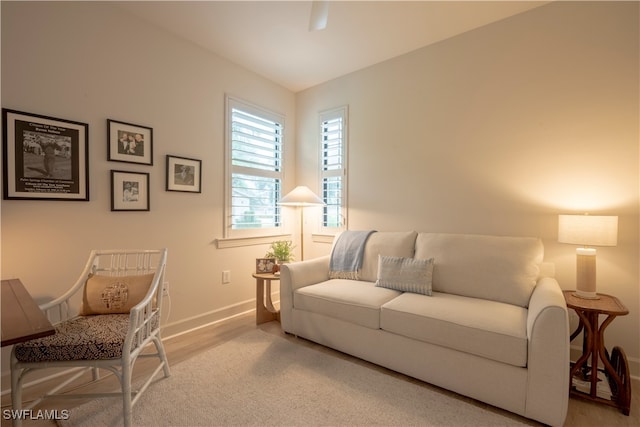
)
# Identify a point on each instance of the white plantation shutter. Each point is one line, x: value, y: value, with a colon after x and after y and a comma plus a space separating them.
x: 333, y: 140
x: 255, y: 166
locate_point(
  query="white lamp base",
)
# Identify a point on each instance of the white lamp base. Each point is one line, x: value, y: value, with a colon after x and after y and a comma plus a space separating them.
x: 586, y: 273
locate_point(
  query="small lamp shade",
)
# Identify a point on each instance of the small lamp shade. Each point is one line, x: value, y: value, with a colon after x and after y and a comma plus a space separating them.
x: 301, y: 196
x: 587, y: 230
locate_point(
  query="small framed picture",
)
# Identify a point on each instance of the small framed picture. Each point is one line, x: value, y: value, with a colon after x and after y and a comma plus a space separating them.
x: 44, y: 158
x: 265, y: 265
x: 129, y: 191
x: 184, y: 174
x: 129, y: 143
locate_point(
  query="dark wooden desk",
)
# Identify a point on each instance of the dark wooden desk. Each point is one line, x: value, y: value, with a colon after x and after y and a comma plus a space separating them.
x: 22, y: 319
x: 615, y: 369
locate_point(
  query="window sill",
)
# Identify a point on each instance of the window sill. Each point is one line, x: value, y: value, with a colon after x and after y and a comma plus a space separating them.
x: 236, y: 242
x: 322, y: 238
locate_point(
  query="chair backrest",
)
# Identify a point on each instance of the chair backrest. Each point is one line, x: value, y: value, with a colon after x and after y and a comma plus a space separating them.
x: 127, y: 263
x: 145, y: 315
x: 113, y: 263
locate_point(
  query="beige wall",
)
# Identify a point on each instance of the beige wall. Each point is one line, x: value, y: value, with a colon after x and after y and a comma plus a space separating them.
x: 89, y: 62
x: 498, y: 131
x: 495, y: 131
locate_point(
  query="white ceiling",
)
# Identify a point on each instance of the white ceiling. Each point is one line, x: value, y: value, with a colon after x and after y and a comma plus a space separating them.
x: 272, y: 37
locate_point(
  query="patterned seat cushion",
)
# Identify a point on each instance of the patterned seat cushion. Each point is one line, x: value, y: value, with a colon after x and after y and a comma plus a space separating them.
x: 82, y: 338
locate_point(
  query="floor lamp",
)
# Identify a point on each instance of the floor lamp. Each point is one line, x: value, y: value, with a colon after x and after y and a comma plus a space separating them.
x: 301, y: 197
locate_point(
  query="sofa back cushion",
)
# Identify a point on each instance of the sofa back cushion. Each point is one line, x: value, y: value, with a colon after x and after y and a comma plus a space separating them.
x: 490, y: 267
x: 389, y: 243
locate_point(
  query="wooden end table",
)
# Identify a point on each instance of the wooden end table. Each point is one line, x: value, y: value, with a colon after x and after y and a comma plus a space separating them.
x: 22, y: 319
x: 265, y: 311
x: 615, y: 372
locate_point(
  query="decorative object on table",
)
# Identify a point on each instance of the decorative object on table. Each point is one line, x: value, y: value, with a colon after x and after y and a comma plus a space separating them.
x: 184, y: 174
x: 129, y: 191
x: 281, y: 250
x: 44, y: 157
x: 129, y: 143
x: 265, y: 265
x: 301, y: 197
x: 587, y: 230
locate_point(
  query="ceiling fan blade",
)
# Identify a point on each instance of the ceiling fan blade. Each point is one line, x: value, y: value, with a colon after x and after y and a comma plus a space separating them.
x: 319, y: 15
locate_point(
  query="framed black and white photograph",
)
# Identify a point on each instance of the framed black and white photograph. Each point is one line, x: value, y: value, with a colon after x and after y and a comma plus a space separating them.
x: 129, y: 191
x: 44, y: 158
x: 184, y: 174
x: 129, y: 143
x: 265, y: 265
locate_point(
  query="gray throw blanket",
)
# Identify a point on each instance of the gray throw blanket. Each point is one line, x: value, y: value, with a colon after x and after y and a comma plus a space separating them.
x: 347, y: 255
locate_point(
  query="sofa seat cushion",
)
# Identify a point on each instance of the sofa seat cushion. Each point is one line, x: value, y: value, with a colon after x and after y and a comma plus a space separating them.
x: 489, y: 329
x: 350, y: 300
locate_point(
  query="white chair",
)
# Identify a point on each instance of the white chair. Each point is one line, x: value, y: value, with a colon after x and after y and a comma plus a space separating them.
x: 120, y: 294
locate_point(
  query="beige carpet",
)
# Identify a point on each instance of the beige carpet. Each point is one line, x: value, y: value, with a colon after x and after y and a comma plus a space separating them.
x: 260, y: 379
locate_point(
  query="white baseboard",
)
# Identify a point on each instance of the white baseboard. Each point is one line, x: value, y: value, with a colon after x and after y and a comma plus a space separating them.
x: 191, y: 324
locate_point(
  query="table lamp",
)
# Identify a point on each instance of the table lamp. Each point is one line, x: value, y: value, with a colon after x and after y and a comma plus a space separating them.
x: 587, y: 230
x: 301, y: 197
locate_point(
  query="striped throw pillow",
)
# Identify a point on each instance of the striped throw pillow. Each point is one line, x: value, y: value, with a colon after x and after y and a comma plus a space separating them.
x: 405, y: 274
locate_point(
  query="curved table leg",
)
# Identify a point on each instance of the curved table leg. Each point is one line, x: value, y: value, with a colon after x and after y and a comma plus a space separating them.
x: 265, y: 311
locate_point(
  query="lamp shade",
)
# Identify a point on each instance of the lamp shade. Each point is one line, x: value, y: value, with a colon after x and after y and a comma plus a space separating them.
x: 588, y: 230
x: 301, y: 196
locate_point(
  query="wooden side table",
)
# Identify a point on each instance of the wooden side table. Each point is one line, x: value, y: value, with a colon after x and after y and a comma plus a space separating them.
x: 615, y: 369
x: 265, y: 311
x: 22, y: 319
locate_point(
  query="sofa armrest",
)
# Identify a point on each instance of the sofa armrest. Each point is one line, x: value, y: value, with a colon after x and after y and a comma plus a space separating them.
x: 297, y: 275
x: 548, y: 354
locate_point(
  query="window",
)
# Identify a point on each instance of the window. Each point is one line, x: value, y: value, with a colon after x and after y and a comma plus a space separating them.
x: 333, y: 168
x: 254, y: 170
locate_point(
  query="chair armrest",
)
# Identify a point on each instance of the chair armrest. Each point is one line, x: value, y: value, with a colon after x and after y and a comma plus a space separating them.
x: 144, y: 317
x: 297, y: 275
x: 548, y: 353
x: 62, y: 308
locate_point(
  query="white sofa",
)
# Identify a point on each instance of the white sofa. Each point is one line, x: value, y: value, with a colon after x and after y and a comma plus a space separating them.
x: 495, y: 327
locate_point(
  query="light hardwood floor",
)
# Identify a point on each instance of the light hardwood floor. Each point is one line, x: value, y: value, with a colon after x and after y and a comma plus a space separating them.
x: 581, y: 413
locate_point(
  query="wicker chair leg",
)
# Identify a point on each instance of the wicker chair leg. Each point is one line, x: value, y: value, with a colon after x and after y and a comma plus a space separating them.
x: 162, y: 355
x: 16, y: 397
x: 126, y: 394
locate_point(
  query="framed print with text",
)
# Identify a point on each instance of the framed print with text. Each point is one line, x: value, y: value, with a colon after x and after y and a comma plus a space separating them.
x: 44, y: 158
x: 129, y: 143
x: 129, y: 191
x: 184, y: 174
